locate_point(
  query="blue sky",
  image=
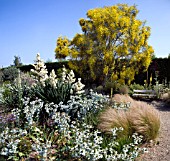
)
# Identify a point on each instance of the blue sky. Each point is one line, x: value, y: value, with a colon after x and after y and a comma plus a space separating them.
x: 31, y: 26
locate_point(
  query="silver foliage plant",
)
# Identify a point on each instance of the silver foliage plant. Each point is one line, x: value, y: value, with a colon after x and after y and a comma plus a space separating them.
x: 82, y: 142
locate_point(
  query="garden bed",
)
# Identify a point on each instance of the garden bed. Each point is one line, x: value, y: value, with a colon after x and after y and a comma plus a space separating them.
x: 52, y: 118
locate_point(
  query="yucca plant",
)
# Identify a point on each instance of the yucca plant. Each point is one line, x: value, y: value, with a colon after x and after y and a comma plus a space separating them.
x: 48, y: 93
x: 50, y: 88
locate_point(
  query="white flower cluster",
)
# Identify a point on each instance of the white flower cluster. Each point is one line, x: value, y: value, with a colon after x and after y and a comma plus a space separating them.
x: 51, y: 108
x: 53, y: 78
x: 63, y: 122
x: 121, y: 105
x: 78, y: 86
x: 40, y: 69
x: 42, y: 75
x: 9, y: 140
x: 129, y: 151
x: 70, y: 78
x: 87, y: 144
x: 84, y: 140
x: 79, y: 106
x: 32, y: 108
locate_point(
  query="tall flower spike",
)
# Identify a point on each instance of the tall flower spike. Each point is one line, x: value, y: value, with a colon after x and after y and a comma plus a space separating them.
x: 78, y: 86
x: 40, y: 69
x: 64, y: 74
x: 53, y: 78
x: 38, y: 57
x: 71, y: 77
x: 19, y: 79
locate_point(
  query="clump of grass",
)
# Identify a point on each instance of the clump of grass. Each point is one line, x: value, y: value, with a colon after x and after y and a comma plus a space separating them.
x: 111, y: 118
x: 141, y: 118
x: 145, y: 120
x: 122, y: 98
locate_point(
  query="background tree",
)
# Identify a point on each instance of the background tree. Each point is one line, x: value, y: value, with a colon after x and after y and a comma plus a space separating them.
x: 169, y: 56
x: 17, y: 61
x: 9, y: 74
x: 113, y: 45
x: 153, y: 56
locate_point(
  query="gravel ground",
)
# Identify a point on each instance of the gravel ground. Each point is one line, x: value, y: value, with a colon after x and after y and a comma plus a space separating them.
x: 160, y: 151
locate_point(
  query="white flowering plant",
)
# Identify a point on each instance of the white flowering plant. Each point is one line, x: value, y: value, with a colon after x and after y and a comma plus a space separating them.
x: 50, y: 88
x: 67, y: 140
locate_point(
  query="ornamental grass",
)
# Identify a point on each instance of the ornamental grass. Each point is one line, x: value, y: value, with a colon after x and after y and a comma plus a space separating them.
x: 124, y: 98
x: 141, y: 118
x: 145, y: 120
x: 112, y: 118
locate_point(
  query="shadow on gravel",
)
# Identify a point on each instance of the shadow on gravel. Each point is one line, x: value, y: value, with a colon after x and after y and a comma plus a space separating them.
x: 161, y: 106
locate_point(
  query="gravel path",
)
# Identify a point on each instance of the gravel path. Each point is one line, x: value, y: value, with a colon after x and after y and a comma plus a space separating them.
x: 161, y: 151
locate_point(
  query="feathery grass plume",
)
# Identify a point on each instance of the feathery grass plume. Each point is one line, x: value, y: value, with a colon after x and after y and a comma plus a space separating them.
x: 145, y: 120
x: 122, y: 98
x: 141, y: 118
x: 111, y: 118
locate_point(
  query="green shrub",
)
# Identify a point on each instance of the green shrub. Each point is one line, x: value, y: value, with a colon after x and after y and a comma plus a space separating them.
x: 123, y: 89
x: 9, y: 73
x: 100, y: 89
x: 114, y: 85
x: 135, y: 87
x: 13, y: 94
x: 51, y: 88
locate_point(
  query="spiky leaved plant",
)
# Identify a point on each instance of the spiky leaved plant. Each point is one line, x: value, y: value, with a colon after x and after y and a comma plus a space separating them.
x: 49, y: 88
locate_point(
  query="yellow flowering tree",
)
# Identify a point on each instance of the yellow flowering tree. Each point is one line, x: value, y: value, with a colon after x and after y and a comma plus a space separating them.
x: 113, y: 44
